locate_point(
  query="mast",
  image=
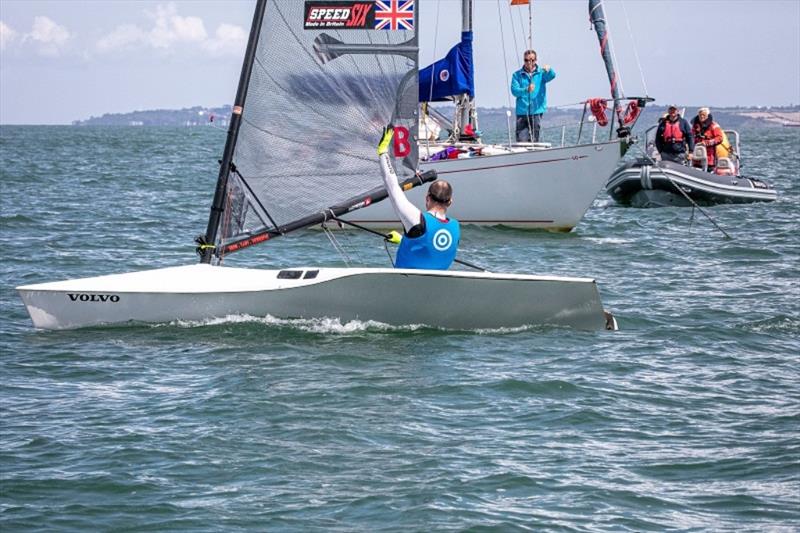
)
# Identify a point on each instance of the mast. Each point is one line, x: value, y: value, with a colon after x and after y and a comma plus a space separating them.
x: 207, y: 252
x: 466, y: 104
x: 598, y: 20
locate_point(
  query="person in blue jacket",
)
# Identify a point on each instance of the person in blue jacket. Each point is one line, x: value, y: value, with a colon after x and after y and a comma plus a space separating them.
x: 430, y: 239
x: 529, y: 86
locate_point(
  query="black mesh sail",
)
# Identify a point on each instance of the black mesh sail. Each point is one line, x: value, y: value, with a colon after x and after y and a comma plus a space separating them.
x: 325, y: 80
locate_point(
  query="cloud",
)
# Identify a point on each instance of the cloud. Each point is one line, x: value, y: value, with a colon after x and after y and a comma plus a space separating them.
x: 50, y: 37
x: 170, y: 30
x: 122, y: 37
x: 228, y: 40
x: 7, y: 34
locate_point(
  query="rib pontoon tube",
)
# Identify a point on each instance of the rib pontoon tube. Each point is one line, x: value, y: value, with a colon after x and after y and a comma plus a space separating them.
x: 641, y: 183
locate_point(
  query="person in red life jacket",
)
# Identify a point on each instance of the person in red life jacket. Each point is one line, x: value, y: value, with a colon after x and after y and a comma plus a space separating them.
x: 708, y: 133
x: 430, y: 239
x: 673, y: 136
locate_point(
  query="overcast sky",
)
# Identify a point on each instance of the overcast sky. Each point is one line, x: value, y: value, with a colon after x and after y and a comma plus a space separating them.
x: 65, y: 60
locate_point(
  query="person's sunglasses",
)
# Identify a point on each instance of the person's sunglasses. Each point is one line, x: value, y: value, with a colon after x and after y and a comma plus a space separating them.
x: 528, y: 60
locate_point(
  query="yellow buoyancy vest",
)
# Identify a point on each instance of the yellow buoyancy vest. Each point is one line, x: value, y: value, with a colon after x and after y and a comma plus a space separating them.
x: 724, y: 148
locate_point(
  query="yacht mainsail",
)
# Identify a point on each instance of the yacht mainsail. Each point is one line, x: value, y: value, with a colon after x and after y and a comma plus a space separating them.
x: 318, y: 84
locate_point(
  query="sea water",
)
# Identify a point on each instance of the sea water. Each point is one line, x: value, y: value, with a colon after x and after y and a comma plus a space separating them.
x: 688, y: 418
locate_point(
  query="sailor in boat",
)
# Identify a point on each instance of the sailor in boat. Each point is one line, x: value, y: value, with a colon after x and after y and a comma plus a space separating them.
x: 709, y: 134
x: 529, y: 86
x: 430, y: 239
x: 673, y: 136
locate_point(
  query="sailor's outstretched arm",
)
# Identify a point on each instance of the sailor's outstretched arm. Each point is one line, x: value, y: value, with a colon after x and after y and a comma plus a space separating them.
x: 408, y: 213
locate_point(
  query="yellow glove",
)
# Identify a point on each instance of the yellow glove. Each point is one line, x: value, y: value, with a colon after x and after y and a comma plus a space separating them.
x: 394, y: 237
x: 383, y: 146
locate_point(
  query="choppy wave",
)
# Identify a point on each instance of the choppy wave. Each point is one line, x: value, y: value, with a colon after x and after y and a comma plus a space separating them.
x: 778, y: 324
x: 685, y: 419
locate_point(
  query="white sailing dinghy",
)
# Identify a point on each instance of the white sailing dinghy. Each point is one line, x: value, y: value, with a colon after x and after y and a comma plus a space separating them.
x: 300, y: 153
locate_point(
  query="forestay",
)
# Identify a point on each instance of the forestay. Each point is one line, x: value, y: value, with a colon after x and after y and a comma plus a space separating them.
x: 323, y: 84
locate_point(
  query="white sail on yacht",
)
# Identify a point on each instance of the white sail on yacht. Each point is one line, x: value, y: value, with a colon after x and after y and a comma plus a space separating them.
x: 300, y: 151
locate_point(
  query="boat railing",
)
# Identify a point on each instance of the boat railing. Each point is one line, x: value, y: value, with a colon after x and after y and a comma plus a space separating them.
x: 436, y: 128
x: 550, y: 136
x: 733, y: 138
x: 649, y: 137
x: 570, y: 133
x: 650, y: 141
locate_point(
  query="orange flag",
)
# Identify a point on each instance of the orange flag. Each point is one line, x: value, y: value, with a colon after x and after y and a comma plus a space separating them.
x: 520, y: 2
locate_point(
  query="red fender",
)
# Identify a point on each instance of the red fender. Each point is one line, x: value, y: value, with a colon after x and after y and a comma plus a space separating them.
x: 631, y: 113
x: 598, y: 107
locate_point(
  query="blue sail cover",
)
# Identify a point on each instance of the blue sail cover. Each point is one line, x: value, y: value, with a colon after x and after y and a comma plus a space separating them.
x: 450, y: 76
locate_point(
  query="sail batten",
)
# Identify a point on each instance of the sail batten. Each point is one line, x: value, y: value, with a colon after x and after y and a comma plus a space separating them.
x: 319, y: 94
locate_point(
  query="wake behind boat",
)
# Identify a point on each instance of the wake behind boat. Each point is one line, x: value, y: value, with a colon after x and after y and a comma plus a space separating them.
x: 300, y: 154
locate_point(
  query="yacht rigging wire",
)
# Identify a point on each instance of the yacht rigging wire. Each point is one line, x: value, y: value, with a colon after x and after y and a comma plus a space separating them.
x: 635, y: 49
x: 614, y: 56
x: 505, y: 65
x: 430, y: 93
x: 505, y: 56
x: 514, y: 40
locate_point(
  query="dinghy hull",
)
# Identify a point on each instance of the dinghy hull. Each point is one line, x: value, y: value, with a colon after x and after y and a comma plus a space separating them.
x: 445, y: 299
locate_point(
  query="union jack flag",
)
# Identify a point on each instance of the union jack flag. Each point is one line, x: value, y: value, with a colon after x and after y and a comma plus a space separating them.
x: 394, y: 14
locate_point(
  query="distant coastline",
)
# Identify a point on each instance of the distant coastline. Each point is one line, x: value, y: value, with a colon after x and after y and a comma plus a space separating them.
x: 729, y: 117
x: 189, y: 117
